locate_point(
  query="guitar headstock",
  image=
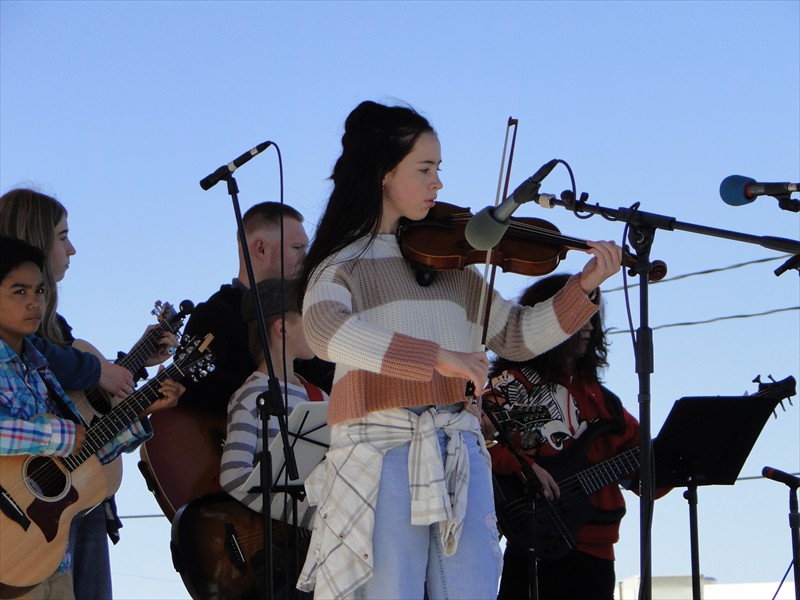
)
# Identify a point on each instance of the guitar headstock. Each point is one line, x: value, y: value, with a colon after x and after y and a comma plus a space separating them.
x: 512, y: 418
x: 778, y: 391
x: 168, y: 318
x: 193, y: 358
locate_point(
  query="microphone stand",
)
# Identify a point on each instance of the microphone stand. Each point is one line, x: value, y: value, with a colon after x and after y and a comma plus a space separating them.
x: 533, y: 490
x: 794, y: 526
x: 643, y: 226
x: 268, y: 403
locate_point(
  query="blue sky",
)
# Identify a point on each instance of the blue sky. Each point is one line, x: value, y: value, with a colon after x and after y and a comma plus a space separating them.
x: 120, y: 108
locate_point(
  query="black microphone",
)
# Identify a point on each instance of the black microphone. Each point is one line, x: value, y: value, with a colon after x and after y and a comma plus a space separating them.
x: 776, y: 475
x: 486, y: 229
x: 222, y: 173
x: 737, y: 190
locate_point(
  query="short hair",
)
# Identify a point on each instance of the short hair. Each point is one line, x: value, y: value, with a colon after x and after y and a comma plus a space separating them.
x: 267, y: 214
x: 276, y: 297
x: 15, y: 252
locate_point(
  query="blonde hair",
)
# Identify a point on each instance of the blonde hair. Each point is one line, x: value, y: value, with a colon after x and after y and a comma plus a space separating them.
x: 32, y: 217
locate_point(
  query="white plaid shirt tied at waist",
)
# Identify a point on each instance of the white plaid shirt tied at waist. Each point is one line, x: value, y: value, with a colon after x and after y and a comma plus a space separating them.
x: 344, y: 488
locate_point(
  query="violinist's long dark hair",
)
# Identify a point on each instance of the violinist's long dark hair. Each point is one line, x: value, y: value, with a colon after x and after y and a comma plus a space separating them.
x: 551, y: 365
x: 376, y: 138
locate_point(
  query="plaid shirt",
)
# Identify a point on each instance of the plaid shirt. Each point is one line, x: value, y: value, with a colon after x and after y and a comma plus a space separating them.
x: 344, y: 487
x: 26, y: 422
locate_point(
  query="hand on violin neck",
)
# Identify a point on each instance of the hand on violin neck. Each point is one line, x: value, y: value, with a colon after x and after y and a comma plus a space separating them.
x: 605, y: 262
x: 473, y: 366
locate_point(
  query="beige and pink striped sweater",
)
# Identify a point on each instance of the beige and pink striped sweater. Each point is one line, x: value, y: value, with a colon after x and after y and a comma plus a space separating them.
x: 364, y: 311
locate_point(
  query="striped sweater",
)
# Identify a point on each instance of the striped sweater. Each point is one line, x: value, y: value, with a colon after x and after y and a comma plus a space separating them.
x: 240, y: 470
x: 364, y: 311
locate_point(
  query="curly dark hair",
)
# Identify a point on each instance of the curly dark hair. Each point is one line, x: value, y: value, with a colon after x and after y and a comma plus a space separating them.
x: 550, y: 365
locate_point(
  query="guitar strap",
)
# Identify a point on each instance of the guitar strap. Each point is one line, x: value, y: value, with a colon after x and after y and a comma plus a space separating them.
x: 314, y: 393
x: 614, y: 405
x: 56, y: 398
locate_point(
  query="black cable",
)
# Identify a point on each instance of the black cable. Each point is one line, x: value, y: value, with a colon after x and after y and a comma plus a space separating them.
x: 613, y: 331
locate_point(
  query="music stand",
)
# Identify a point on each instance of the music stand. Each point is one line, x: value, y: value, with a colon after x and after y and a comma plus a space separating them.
x: 705, y: 440
x: 309, y: 437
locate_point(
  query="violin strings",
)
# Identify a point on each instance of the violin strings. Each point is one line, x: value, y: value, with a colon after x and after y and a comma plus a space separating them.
x: 522, y: 227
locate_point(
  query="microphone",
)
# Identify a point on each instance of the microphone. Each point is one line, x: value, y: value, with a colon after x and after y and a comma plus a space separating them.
x: 737, y: 190
x: 776, y: 475
x: 222, y: 173
x: 486, y: 229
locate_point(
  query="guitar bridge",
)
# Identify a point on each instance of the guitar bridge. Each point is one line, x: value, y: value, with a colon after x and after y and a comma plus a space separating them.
x: 233, y: 550
x: 12, y: 510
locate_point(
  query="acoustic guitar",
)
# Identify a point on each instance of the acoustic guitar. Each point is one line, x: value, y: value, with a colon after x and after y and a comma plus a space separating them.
x: 93, y: 404
x: 96, y: 402
x: 181, y: 461
x: 218, y: 549
x: 40, y: 495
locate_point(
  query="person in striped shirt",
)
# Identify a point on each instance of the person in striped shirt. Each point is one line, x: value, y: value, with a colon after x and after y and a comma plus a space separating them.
x: 240, y: 472
x: 404, y: 496
x: 245, y: 441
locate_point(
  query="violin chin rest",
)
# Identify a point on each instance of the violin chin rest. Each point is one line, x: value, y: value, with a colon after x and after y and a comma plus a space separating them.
x: 425, y: 275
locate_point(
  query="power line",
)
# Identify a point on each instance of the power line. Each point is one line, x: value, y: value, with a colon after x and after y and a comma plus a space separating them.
x: 740, y: 478
x: 613, y: 331
x: 704, y: 272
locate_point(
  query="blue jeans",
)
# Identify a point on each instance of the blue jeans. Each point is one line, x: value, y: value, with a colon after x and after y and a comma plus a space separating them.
x: 91, y: 565
x: 409, y: 559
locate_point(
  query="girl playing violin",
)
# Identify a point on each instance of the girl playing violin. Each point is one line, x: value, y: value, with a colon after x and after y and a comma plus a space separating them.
x: 404, y: 497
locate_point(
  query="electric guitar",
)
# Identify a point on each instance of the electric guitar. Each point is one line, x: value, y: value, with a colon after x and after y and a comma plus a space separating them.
x: 40, y: 495
x: 577, y: 479
x: 218, y: 549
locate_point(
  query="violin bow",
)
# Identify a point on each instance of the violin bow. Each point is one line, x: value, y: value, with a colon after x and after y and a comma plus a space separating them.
x: 489, y: 270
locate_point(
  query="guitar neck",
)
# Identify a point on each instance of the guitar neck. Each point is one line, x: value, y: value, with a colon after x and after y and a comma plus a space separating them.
x: 121, y: 416
x: 143, y: 349
x: 609, y: 471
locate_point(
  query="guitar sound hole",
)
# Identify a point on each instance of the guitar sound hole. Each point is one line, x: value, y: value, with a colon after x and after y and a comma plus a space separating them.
x: 45, y: 478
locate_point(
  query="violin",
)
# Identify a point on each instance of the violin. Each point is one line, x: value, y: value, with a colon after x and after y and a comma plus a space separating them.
x: 530, y: 246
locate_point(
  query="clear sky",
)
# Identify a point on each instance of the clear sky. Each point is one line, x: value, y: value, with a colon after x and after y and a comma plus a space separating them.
x: 120, y: 108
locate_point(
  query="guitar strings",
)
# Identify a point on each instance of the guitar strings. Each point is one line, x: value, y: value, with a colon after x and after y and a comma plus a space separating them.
x: 49, y: 473
x: 572, y: 488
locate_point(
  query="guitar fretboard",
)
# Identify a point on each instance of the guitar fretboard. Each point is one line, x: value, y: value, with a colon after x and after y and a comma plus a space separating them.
x: 608, y: 471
